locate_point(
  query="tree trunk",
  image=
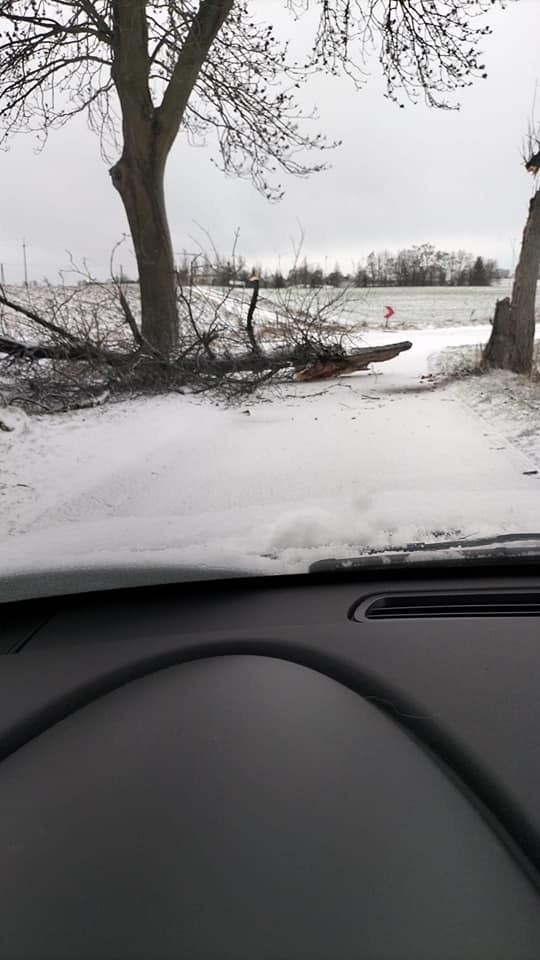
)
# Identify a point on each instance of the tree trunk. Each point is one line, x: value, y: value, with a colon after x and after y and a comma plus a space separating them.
x: 149, y: 133
x: 500, y: 344
x: 139, y: 182
x: 511, y: 344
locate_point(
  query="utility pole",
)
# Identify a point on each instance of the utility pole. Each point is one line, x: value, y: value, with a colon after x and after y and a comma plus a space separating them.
x: 25, y: 263
x: 2, y: 275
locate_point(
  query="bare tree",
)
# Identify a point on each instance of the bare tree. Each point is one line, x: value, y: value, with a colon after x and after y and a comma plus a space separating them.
x: 145, y: 69
x: 511, y: 344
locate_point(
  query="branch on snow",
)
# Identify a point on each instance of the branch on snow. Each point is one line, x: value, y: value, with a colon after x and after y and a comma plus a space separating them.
x: 59, y: 351
x: 306, y: 367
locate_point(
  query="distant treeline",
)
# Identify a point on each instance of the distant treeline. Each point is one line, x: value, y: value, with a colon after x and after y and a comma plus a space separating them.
x: 417, y: 266
x: 425, y: 266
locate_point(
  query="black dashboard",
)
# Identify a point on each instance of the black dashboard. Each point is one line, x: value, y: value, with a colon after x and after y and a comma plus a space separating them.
x: 304, y: 767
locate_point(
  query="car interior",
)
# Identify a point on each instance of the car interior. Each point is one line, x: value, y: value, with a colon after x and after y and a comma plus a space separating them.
x: 336, y: 765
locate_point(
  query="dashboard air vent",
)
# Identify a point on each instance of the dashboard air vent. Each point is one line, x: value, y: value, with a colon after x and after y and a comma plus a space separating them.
x: 428, y: 605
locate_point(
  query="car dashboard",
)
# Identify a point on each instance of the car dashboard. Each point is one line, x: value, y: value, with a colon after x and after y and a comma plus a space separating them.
x: 284, y: 768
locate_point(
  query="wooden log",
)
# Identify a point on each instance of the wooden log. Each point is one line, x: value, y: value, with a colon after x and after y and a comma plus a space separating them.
x: 358, y: 360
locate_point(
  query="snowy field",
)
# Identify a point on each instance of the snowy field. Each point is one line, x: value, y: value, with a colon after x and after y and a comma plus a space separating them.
x: 95, y: 308
x: 303, y: 472
x: 418, y: 308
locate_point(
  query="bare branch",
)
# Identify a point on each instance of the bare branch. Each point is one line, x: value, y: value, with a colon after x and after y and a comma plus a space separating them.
x: 202, y: 32
x: 212, y: 66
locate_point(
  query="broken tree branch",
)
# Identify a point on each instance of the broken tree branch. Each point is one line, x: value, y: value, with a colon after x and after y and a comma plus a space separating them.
x: 128, y: 316
x: 59, y: 351
x: 351, y: 363
x: 285, y: 358
x: 307, y: 368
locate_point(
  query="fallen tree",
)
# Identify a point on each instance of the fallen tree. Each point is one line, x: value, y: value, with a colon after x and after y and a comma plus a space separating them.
x: 63, y: 351
x: 305, y: 363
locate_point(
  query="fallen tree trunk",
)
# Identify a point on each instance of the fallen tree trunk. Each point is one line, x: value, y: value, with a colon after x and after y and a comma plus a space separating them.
x: 358, y: 360
x: 305, y: 362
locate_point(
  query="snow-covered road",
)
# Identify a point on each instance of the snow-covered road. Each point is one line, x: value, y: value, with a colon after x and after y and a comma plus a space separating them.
x: 317, y: 470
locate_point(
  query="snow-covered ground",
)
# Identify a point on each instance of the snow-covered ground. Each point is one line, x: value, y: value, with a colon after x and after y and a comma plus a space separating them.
x: 417, y: 308
x: 94, y: 308
x: 306, y: 471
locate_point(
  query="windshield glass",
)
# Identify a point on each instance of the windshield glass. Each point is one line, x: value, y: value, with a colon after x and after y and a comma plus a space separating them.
x: 268, y: 278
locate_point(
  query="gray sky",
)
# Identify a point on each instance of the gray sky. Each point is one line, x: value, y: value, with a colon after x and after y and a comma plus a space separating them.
x: 400, y: 177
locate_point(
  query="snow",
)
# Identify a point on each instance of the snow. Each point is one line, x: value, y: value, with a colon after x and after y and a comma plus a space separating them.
x: 304, y: 472
x: 418, y: 308
x: 510, y: 401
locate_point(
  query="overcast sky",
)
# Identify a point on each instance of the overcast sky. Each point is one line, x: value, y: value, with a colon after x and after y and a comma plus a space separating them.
x: 401, y: 177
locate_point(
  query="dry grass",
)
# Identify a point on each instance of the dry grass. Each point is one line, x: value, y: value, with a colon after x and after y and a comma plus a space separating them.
x: 460, y: 363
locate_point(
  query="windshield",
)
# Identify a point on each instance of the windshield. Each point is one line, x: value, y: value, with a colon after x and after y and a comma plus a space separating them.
x: 268, y: 278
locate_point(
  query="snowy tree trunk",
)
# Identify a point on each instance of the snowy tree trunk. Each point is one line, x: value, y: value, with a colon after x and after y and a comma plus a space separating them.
x: 139, y: 182
x: 511, y: 344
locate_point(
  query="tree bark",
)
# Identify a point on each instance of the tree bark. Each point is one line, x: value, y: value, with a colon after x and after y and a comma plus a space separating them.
x: 139, y: 181
x: 148, y: 134
x: 500, y: 344
x: 511, y: 344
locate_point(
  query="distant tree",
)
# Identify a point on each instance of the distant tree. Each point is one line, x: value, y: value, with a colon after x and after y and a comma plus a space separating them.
x: 403, y: 269
x: 460, y: 268
x: 335, y: 278
x: 423, y: 265
x: 372, y: 272
x: 144, y: 70
x: 360, y: 277
x: 224, y: 274
x: 491, y: 268
x: 299, y: 275
x: 479, y: 275
x: 184, y: 270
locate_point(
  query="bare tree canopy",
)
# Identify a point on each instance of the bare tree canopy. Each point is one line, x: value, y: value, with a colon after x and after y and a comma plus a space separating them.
x: 143, y: 70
